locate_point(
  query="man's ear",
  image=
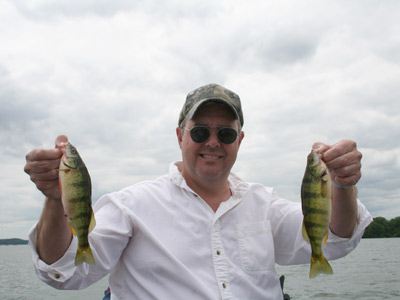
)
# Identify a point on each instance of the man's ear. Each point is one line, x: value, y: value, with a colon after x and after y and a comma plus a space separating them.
x: 241, y: 137
x: 179, y: 135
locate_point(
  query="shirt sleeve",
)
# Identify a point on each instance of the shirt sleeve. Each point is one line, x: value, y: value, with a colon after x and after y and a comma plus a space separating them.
x: 58, y: 272
x: 107, y: 241
x: 339, y: 247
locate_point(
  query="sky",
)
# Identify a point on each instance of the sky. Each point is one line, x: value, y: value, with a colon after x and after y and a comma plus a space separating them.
x: 113, y: 76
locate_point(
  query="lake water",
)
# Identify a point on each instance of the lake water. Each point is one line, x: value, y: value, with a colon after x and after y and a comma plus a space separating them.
x: 370, y: 272
x: 18, y: 280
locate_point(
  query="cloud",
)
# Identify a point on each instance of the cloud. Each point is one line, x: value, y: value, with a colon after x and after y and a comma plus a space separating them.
x: 44, y: 9
x: 49, y: 10
x: 113, y: 77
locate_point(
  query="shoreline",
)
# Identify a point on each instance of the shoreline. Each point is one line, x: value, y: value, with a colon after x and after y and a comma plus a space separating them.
x: 13, y: 241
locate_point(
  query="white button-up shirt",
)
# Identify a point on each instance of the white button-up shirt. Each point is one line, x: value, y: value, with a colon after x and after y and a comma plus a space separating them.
x: 159, y: 240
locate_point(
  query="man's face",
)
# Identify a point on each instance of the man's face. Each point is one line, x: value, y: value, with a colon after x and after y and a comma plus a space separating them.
x: 212, y: 160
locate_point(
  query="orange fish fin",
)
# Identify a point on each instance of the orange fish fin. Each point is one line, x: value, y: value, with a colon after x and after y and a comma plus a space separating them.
x: 59, y: 184
x: 72, y: 229
x: 305, y: 234
x: 326, y: 237
x: 92, y: 222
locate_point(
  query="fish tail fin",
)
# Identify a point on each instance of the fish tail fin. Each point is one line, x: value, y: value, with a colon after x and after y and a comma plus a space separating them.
x: 320, y: 265
x: 84, y: 255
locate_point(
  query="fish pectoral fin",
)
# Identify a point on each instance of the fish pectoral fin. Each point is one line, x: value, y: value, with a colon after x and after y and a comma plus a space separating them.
x: 326, y: 237
x: 325, y: 177
x: 92, y: 222
x: 305, y: 234
x: 64, y: 170
x: 72, y: 229
x: 60, y: 186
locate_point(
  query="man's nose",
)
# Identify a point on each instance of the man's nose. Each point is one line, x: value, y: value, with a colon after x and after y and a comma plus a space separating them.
x: 213, y: 140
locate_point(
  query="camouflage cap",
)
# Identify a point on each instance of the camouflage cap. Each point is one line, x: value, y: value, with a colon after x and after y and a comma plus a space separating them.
x: 211, y: 92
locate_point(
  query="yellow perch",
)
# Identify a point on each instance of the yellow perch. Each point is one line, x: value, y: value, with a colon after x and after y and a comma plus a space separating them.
x: 76, y: 192
x: 316, y: 191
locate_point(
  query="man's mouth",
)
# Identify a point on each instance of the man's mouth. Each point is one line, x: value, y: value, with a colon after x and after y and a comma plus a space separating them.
x: 207, y: 156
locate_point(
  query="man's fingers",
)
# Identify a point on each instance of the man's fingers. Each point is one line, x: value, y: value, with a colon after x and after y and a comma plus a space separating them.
x: 344, y: 167
x: 42, y: 166
x: 343, y: 160
x: 320, y: 147
x: 43, y: 154
x: 340, y: 149
x: 44, y: 176
x: 46, y: 186
x: 348, y: 180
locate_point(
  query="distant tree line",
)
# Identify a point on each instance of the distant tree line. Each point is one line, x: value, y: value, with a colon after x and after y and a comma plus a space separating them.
x: 382, y: 228
x: 13, y: 242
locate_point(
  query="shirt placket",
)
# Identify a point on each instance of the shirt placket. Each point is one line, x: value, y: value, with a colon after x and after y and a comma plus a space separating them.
x: 220, y: 263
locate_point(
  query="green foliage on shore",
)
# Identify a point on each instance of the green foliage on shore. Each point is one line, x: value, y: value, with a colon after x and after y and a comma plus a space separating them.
x: 382, y: 228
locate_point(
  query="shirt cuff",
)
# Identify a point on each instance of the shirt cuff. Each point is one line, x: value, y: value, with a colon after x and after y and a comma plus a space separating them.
x: 61, y: 270
x: 363, y: 220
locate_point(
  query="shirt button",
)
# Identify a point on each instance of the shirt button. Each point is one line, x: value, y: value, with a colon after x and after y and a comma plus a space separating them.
x: 57, y: 275
x: 218, y: 252
x: 224, y: 285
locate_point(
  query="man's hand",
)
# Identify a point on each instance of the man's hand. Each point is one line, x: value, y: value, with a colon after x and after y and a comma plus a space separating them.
x: 343, y: 161
x: 42, y: 167
x: 53, y: 233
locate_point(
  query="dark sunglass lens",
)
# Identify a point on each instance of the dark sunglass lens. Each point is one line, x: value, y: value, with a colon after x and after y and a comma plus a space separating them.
x: 227, y: 135
x: 200, y: 134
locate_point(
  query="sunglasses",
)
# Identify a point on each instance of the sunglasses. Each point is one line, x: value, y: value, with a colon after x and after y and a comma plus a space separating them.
x: 201, y: 134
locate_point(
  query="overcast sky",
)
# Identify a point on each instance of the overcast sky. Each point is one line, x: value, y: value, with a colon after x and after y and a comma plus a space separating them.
x: 113, y: 75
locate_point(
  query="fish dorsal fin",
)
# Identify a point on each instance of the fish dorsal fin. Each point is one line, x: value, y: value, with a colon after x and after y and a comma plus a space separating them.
x: 92, y: 222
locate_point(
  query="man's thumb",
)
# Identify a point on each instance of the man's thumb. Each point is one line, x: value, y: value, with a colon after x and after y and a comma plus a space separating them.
x: 60, y: 140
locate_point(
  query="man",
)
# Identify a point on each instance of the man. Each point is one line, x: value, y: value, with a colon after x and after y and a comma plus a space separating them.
x: 199, y: 232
